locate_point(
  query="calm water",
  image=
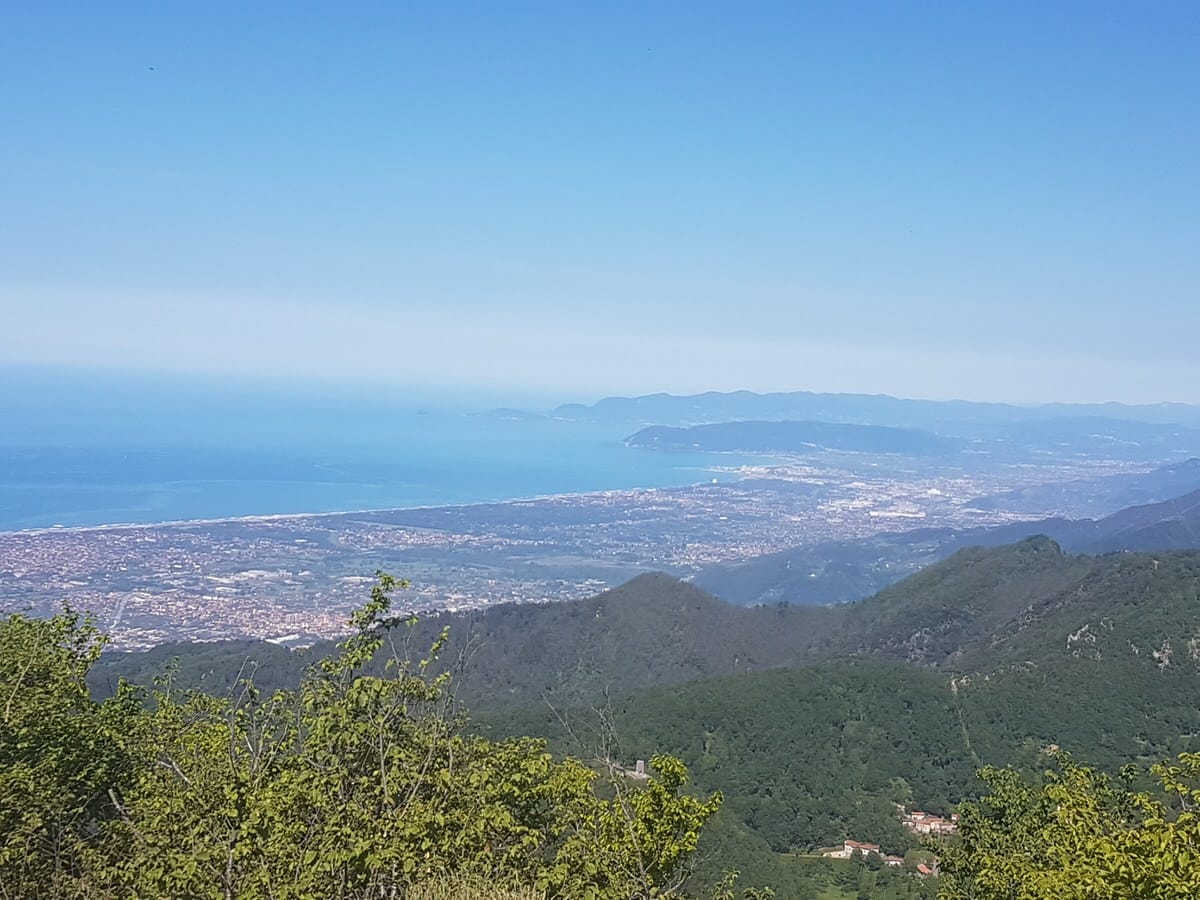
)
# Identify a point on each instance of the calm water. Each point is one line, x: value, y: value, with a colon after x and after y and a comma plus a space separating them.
x: 87, y: 452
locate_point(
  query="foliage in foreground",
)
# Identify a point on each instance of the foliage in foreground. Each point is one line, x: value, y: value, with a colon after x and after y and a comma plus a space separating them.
x: 1079, y: 835
x: 352, y: 785
x: 873, y: 731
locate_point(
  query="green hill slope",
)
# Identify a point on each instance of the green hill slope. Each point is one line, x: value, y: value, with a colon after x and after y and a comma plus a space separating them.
x: 815, y: 721
x: 980, y: 609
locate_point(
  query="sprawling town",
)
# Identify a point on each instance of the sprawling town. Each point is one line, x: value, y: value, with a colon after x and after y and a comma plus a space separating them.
x: 294, y: 579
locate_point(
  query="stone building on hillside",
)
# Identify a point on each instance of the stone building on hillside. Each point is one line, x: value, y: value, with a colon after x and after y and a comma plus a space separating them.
x: 851, y: 848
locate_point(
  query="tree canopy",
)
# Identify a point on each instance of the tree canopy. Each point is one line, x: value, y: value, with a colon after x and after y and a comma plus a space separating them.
x: 351, y: 785
x: 1077, y: 834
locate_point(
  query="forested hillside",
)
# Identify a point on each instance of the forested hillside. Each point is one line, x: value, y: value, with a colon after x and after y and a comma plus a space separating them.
x: 815, y: 722
x: 347, y: 786
x: 810, y: 756
x: 980, y: 609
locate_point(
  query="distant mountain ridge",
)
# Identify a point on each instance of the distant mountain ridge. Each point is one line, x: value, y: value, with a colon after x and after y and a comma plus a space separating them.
x: 877, y: 409
x: 1088, y: 437
x: 841, y: 571
x: 1172, y: 524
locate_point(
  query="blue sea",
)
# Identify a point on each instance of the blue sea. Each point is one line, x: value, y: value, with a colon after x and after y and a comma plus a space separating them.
x: 83, y: 448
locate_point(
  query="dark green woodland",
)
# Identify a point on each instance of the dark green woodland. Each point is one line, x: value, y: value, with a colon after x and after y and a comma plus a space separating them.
x: 799, y: 727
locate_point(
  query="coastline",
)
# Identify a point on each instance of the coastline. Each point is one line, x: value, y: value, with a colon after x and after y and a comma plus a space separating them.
x: 283, y: 517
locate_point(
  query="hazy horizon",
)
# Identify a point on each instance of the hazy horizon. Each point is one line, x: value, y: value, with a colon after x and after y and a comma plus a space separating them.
x: 463, y: 396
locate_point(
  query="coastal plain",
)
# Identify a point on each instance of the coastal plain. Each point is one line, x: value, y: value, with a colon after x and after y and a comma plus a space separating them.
x: 294, y: 579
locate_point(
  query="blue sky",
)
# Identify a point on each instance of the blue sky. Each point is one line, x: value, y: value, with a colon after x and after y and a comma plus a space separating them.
x: 984, y: 200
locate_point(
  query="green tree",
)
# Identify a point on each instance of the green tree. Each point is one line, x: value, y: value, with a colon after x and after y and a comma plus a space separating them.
x: 1079, y: 835
x: 61, y: 754
x: 352, y: 785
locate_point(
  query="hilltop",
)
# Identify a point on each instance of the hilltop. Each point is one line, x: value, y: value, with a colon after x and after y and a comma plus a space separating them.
x: 651, y: 630
x: 987, y: 658
x: 971, y: 612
